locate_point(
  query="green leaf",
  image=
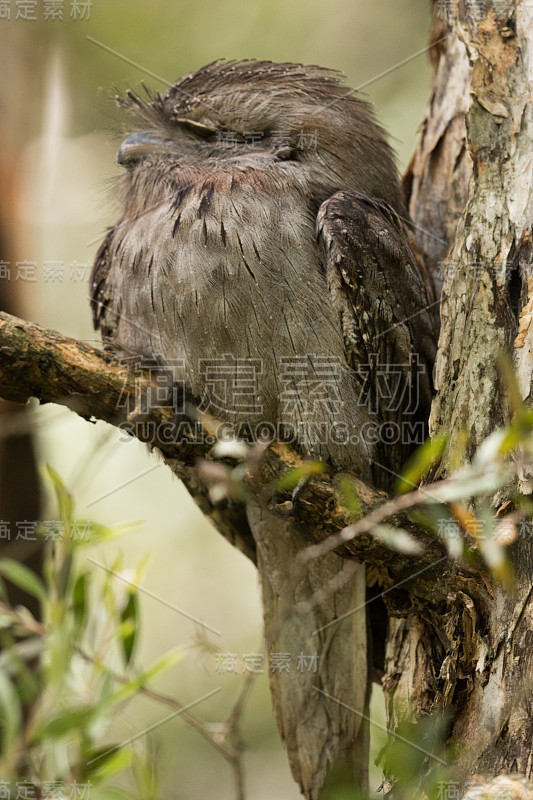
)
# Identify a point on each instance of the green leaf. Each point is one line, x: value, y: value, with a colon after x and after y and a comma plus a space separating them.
x: 64, y: 574
x: 102, y: 533
x: 129, y: 614
x: 291, y: 478
x: 64, y: 497
x: 23, y: 577
x: 79, y: 598
x: 518, y: 432
x: 448, y: 531
x: 421, y: 462
x: 104, y: 762
x: 132, y: 687
x: 11, y: 716
x: 28, y: 650
x: 68, y: 720
x: 351, y: 499
x: 397, y: 539
x: 145, y: 773
x: 107, y: 766
x: 470, y: 482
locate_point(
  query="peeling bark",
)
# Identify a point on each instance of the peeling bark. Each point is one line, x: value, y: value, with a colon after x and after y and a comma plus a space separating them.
x: 470, y: 183
x: 436, y: 180
x: 487, y: 276
x: 35, y: 362
x: 457, y: 640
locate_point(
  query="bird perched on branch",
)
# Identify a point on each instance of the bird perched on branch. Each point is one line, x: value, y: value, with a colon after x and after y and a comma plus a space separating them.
x: 263, y: 255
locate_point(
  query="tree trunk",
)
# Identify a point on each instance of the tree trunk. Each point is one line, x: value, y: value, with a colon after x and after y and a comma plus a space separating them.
x: 470, y: 193
x: 459, y: 637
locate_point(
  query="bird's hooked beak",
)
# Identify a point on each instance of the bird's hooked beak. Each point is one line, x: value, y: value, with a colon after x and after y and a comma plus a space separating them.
x: 139, y: 145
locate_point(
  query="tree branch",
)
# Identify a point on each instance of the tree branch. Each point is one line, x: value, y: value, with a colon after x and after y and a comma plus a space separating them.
x: 41, y: 363
x: 36, y: 362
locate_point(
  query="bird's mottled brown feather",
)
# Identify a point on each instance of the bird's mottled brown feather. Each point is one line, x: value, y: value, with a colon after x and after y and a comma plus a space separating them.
x: 216, y: 259
x: 386, y: 314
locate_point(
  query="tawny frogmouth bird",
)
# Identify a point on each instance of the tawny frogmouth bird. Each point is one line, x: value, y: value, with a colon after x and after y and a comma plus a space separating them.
x: 263, y: 254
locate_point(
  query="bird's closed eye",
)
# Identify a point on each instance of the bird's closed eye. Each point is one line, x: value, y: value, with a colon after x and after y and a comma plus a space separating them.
x: 200, y: 128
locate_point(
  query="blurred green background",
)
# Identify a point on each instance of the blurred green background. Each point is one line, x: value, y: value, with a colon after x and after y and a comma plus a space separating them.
x: 56, y: 167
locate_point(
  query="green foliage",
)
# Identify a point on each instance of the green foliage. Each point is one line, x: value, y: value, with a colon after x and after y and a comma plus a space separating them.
x: 292, y: 477
x: 58, y: 693
x: 416, y: 756
x: 22, y: 577
x: 351, y: 498
x: 461, y: 508
x: 421, y: 462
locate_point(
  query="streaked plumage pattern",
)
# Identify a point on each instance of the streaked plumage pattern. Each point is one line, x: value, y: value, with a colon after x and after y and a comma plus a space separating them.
x: 261, y: 222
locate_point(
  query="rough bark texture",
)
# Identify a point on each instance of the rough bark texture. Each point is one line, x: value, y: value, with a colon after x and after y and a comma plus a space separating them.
x: 470, y: 183
x: 436, y: 180
x: 35, y: 362
x: 39, y: 363
x: 486, y: 279
x: 457, y: 639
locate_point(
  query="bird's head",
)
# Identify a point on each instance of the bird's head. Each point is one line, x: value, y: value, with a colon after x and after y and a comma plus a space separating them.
x: 249, y: 112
